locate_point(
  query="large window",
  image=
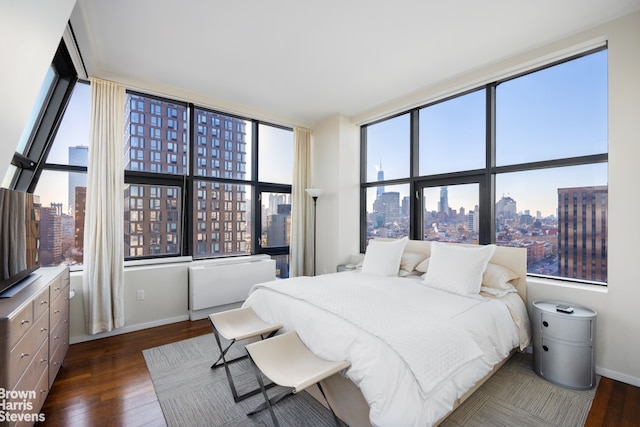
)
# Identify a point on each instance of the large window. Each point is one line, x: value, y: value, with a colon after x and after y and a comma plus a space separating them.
x: 518, y: 162
x: 193, y: 183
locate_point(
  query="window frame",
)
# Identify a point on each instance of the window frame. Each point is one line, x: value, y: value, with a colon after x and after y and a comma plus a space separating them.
x: 31, y: 164
x: 485, y: 177
x: 29, y: 167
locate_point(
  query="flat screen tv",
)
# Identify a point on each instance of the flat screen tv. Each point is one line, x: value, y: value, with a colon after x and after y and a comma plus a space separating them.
x: 19, y: 236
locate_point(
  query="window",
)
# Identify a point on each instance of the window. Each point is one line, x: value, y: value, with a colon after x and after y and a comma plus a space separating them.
x: 170, y: 210
x: 519, y: 162
x: 275, y: 154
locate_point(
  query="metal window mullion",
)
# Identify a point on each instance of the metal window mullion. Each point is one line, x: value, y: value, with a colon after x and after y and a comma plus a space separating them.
x: 416, y: 222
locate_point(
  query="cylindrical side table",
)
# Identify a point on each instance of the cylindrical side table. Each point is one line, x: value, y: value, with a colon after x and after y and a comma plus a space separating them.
x: 564, y: 343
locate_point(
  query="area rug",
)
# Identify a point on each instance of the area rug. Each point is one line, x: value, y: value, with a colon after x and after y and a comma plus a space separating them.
x: 192, y: 394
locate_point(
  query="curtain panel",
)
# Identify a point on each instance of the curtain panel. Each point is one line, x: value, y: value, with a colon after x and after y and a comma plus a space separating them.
x: 301, y: 248
x: 103, y: 274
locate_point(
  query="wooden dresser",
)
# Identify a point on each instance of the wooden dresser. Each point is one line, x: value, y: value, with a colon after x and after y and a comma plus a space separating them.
x: 34, y: 338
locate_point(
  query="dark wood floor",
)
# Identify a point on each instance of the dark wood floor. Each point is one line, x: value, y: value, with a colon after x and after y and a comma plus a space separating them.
x: 106, y: 383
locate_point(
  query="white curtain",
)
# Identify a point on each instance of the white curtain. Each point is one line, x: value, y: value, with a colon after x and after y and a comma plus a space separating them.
x: 301, y: 249
x: 103, y: 276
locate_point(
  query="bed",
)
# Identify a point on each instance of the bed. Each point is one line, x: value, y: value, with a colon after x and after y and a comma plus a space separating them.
x: 423, y: 324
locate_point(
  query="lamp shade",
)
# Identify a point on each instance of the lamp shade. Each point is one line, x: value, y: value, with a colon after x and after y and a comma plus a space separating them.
x: 314, y: 192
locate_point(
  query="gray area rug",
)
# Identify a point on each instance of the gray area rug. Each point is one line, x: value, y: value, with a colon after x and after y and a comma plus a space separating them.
x: 191, y: 394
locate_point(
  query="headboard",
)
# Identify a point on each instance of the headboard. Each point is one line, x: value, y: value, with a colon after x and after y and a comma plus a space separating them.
x: 514, y: 259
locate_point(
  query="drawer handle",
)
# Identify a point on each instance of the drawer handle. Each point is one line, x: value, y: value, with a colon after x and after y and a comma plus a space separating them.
x: 545, y: 348
x: 56, y: 289
x: 43, y: 329
x: 56, y: 311
x: 44, y: 302
x: 24, y: 321
x: 24, y: 355
x: 43, y: 360
x: 545, y: 324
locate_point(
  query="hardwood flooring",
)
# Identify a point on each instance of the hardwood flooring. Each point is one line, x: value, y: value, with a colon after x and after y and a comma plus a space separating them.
x: 106, y: 383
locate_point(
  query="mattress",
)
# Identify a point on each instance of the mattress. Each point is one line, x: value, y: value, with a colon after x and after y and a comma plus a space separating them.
x: 413, y: 349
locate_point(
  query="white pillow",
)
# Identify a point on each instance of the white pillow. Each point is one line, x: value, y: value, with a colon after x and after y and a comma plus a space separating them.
x: 498, y: 277
x: 457, y: 269
x: 410, y: 260
x: 423, y: 267
x: 497, y: 292
x: 383, y: 258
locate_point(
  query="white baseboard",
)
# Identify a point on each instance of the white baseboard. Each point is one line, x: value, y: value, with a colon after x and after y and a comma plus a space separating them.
x: 628, y: 379
x: 129, y: 328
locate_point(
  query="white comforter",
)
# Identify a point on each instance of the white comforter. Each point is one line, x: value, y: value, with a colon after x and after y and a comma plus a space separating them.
x: 413, y: 350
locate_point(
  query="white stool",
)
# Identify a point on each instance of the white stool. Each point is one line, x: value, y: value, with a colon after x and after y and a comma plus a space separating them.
x: 235, y: 325
x: 286, y: 361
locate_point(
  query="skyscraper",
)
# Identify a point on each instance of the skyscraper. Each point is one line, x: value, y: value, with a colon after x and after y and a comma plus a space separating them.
x: 443, y: 204
x: 582, y: 233
x: 156, y: 141
x: 380, y: 189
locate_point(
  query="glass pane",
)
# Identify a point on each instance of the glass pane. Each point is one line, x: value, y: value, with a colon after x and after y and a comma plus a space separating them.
x: 388, y: 211
x: 63, y: 197
x: 453, y: 135
x: 560, y: 216
x: 388, y: 145
x: 275, y: 155
x: 70, y: 146
x: 554, y: 113
x: 222, y: 146
x: 152, y: 220
x: 155, y: 136
x: 451, y: 213
x: 41, y: 103
x: 276, y: 220
x: 282, y: 265
x: 221, y: 214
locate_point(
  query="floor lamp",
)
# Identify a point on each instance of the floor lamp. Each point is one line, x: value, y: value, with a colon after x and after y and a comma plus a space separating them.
x: 314, y: 193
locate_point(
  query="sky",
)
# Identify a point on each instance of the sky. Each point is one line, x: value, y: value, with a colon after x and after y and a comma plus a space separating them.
x: 555, y: 113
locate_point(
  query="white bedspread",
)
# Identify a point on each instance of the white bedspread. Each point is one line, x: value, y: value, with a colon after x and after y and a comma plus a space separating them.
x: 413, y: 350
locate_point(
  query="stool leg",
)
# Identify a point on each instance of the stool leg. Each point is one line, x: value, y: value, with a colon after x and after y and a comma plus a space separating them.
x: 224, y: 363
x: 267, y: 402
x: 236, y: 397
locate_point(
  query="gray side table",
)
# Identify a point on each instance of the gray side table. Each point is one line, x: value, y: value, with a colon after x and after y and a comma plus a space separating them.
x: 563, y: 344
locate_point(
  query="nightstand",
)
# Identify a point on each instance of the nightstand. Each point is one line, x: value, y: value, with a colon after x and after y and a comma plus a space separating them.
x: 563, y: 343
x: 346, y: 267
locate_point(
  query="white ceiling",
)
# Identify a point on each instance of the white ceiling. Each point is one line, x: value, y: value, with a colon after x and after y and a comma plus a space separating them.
x: 306, y: 60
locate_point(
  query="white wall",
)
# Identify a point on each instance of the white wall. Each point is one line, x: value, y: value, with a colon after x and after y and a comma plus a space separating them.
x: 336, y: 158
x: 30, y: 31
x: 618, y: 323
x: 165, y: 299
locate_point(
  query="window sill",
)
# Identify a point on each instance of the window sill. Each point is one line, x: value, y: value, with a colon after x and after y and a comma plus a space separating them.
x: 531, y: 280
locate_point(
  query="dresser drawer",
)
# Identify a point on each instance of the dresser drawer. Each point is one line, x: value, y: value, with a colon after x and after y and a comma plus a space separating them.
x: 59, y: 309
x: 41, y: 388
x: 40, y: 304
x: 20, y: 323
x: 57, y: 356
x: 59, y: 335
x: 59, y: 286
x: 27, y: 350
